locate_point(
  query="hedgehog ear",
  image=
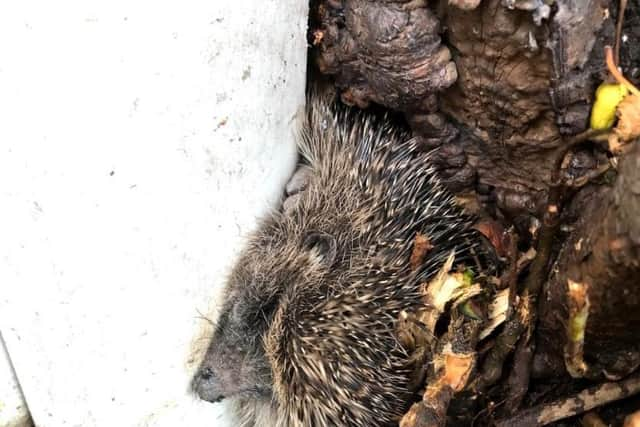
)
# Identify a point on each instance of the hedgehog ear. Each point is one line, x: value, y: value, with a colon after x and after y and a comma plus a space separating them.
x: 321, y: 246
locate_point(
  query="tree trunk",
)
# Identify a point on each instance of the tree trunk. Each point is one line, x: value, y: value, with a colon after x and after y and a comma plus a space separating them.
x: 499, y: 88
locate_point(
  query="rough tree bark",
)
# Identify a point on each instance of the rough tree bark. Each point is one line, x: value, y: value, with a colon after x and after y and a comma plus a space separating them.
x: 498, y: 88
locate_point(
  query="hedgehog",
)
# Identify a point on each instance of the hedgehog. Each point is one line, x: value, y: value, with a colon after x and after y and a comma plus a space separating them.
x: 307, y: 330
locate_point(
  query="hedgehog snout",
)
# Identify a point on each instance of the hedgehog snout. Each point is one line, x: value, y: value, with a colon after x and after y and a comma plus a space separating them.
x: 215, y: 383
x: 220, y: 375
x: 207, y: 386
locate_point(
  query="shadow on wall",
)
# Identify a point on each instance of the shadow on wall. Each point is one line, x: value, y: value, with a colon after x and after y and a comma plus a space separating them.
x: 13, y: 409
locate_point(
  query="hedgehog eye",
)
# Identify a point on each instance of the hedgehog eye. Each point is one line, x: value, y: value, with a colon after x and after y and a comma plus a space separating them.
x: 254, y: 312
x: 237, y: 311
x: 322, y: 246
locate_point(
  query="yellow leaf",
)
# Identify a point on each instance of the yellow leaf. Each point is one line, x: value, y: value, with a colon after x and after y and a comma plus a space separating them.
x: 603, y: 112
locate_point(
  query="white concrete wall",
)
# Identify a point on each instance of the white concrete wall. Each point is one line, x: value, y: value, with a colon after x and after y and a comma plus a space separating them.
x: 139, y: 141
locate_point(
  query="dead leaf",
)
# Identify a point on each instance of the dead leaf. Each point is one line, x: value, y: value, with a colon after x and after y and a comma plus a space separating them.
x: 499, y: 238
x: 628, y: 110
x: 421, y: 246
x: 445, y: 287
x: 318, y: 35
x: 497, y: 313
x: 628, y: 127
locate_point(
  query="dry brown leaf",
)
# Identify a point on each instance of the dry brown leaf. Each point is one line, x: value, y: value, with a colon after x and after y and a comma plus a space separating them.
x: 421, y: 246
x: 628, y: 127
x: 442, y: 289
x: 499, y: 238
x: 497, y: 313
x: 318, y: 35
x: 629, y: 118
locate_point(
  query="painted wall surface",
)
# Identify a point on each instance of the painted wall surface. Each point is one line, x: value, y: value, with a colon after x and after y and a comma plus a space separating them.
x: 139, y: 142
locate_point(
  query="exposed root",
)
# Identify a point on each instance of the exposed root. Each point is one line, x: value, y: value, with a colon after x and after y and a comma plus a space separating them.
x: 502, y: 347
x: 568, y: 407
x: 519, y: 329
x: 518, y: 381
x: 578, y: 297
x: 621, y: 8
x: 451, y: 369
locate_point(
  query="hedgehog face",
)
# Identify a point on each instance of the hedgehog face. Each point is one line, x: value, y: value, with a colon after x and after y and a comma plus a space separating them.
x: 235, y: 364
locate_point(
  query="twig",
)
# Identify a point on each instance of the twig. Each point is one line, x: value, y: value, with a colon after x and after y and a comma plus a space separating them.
x: 613, y: 69
x: 621, y: 8
x: 589, y: 176
x: 584, y: 401
x: 518, y: 381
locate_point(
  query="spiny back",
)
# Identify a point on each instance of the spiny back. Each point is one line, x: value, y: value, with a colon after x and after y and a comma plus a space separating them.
x: 331, y: 344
